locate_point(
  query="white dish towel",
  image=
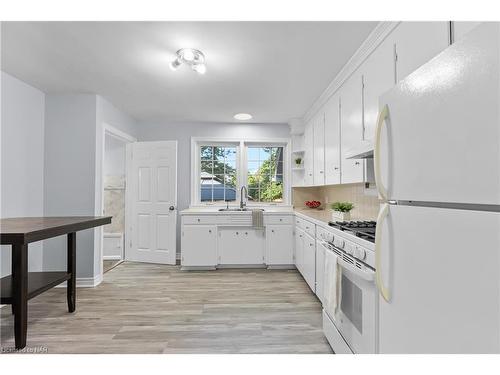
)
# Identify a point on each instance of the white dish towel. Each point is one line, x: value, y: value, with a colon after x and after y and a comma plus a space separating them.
x: 333, y: 284
x: 258, y: 219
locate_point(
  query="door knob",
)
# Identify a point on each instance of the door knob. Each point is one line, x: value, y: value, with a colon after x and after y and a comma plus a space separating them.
x: 171, y: 208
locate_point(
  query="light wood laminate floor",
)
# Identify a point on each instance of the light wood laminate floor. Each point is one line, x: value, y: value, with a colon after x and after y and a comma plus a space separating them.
x: 144, y: 308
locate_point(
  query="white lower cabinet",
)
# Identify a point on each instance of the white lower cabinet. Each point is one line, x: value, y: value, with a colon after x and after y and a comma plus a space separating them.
x: 320, y: 270
x: 199, y: 245
x: 279, y: 244
x: 299, y: 249
x: 309, y: 262
x: 241, y: 246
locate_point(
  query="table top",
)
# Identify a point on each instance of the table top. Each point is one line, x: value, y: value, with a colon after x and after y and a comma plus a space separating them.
x: 21, y: 230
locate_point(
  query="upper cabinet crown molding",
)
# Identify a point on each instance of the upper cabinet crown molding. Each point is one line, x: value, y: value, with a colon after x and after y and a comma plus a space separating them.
x: 381, y: 31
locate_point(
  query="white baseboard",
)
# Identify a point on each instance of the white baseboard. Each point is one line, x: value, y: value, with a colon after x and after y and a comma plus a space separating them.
x: 112, y: 257
x: 85, y: 282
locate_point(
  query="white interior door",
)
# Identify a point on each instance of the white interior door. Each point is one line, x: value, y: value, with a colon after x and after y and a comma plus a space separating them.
x: 152, y: 177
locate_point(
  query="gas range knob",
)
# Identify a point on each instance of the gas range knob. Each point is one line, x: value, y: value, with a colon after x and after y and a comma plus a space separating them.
x: 349, y: 248
x: 360, y: 253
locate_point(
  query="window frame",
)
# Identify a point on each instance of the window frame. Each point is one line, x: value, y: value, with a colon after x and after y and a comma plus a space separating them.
x: 241, y: 168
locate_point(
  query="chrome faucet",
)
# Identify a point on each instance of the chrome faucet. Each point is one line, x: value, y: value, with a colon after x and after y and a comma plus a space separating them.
x: 243, y: 205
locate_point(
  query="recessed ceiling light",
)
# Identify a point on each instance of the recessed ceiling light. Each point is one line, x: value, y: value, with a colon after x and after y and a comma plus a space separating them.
x: 192, y: 57
x: 243, y: 116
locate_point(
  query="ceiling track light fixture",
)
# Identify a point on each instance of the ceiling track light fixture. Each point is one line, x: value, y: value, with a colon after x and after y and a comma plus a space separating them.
x: 191, y: 57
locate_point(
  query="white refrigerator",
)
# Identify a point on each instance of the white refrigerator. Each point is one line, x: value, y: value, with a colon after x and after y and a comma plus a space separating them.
x: 437, y: 166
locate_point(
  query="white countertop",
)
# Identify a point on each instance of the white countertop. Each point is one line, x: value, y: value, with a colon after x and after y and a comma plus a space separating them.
x: 278, y: 210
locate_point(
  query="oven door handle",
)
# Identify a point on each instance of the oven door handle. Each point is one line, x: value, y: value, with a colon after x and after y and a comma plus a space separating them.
x: 367, y: 275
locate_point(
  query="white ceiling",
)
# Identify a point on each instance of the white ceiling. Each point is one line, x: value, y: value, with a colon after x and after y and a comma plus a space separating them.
x: 273, y: 70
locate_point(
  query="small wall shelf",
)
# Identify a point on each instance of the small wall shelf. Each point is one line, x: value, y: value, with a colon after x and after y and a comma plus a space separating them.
x: 298, y: 168
x: 298, y: 151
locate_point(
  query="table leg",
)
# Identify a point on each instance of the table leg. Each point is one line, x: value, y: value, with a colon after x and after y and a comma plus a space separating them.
x: 71, y: 285
x: 20, y: 293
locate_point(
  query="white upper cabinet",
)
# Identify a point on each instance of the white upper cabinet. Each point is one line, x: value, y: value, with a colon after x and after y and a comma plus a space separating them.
x: 462, y: 27
x: 319, y: 149
x: 416, y: 43
x: 351, y: 114
x: 309, y: 154
x: 378, y: 77
x: 332, y: 140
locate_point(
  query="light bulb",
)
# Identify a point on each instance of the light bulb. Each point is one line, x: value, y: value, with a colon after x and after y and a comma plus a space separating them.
x: 200, y: 68
x: 243, y: 116
x: 188, y: 55
x: 175, y: 64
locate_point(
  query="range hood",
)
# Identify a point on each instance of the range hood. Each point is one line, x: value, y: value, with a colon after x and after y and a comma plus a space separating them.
x: 364, y: 150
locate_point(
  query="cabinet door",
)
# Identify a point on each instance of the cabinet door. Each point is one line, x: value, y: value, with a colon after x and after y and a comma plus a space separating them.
x: 309, y: 267
x: 351, y: 113
x: 320, y: 270
x: 378, y: 77
x: 279, y: 244
x: 319, y: 149
x: 299, y: 249
x: 241, y: 246
x: 199, y: 245
x: 332, y: 141
x: 418, y: 42
x: 461, y: 28
x: 309, y: 154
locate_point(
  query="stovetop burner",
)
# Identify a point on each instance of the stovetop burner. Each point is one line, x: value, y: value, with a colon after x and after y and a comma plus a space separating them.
x: 361, y: 229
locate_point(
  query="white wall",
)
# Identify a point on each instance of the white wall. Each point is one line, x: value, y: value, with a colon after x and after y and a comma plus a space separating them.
x: 70, y: 174
x: 73, y: 170
x: 22, y: 153
x: 182, y: 132
x: 114, y: 156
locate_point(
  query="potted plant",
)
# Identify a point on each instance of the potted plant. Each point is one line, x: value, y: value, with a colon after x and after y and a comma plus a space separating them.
x: 341, y: 210
x: 298, y: 162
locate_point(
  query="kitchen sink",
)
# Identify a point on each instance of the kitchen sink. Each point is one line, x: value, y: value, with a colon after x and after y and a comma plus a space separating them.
x: 239, y: 209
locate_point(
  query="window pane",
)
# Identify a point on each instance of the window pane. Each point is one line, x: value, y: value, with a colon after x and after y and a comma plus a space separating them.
x: 264, y: 153
x: 253, y: 167
x: 207, y: 166
x: 253, y: 195
x: 230, y: 167
x: 272, y: 192
x: 206, y: 153
x: 253, y: 154
x: 231, y: 154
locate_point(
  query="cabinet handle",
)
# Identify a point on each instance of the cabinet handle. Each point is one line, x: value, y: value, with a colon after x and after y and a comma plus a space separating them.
x: 237, y: 233
x: 357, y: 163
x: 210, y: 231
x: 198, y: 220
x: 336, y: 168
x: 320, y: 171
x: 272, y: 230
x: 281, y: 219
x: 246, y: 233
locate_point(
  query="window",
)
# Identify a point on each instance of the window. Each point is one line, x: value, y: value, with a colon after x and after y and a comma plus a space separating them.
x: 218, y: 173
x: 265, y: 174
x: 222, y: 167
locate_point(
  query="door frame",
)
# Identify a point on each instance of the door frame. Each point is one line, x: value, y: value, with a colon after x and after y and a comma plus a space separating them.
x: 109, y: 130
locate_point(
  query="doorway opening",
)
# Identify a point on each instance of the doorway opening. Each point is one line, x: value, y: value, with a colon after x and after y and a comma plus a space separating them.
x: 114, y: 198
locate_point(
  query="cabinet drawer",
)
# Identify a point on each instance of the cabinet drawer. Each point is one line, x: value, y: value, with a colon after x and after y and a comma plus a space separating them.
x: 309, y: 228
x: 188, y: 219
x: 278, y: 219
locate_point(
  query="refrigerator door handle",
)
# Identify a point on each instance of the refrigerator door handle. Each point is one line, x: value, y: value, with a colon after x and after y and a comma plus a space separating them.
x: 384, y: 291
x: 382, y: 116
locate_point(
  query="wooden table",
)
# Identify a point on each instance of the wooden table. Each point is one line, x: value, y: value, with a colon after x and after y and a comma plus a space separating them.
x: 21, y: 285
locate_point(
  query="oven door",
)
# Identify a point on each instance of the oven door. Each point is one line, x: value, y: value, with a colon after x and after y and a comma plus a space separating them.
x: 358, y: 313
